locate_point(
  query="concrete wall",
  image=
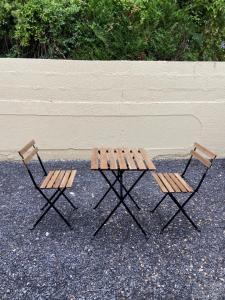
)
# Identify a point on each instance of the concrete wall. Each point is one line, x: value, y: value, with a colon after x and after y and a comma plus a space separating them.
x: 71, y: 106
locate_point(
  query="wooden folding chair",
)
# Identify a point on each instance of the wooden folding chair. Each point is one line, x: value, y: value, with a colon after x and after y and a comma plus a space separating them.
x: 171, y: 183
x: 56, y: 180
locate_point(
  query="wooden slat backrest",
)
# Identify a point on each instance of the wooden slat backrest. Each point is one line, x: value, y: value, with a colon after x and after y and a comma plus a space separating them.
x: 28, y: 151
x: 202, y: 154
x: 30, y: 156
x: 26, y: 147
x: 204, y: 150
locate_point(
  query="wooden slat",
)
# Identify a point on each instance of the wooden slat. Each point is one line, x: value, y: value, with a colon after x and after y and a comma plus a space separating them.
x: 129, y: 159
x: 30, y: 155
x: 166, y: 183
x: 139, y: 159
x: 112, y: 159
x: 161, y: 185
x: 46, y: 180
x: 26, y: 147
x: 172, y: 183
x: 53, y: 179
x: 209, y: 153
x: 65, y: 179
x: 103, y: 159
x: 59, y: 179
x: 147, y: 160
x: 94, y: 159
x: 178, y: 183
x: 121, y: 159
x: 185, y: 184
x: 71, y: 179
x: 203, y: 160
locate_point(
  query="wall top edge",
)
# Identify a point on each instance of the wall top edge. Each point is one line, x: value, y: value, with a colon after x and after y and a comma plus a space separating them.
x: 112, y: 61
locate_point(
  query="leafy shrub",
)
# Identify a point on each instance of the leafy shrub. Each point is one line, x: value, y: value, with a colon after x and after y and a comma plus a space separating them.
x: 113, y: 29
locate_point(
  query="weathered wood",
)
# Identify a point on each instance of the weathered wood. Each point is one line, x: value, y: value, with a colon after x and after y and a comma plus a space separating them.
x: 166, y: 183
x: 94, y: 159
x: 185, y: 184
x: 158, y: 180
x: 172, y: 183
x: 30, y: 155
x: 138, y: 159
x: 147, y: 160
x: 203, y: 160
x: 206, y: 151
x: 65, y: 179
x: 71, y: 179
x: 130, y: 162
x: 53, y: 179
x: 46, y: 180
x: 26, y: 147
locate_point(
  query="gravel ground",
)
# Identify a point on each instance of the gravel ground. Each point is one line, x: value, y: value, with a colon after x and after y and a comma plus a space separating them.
x: 53, y: 262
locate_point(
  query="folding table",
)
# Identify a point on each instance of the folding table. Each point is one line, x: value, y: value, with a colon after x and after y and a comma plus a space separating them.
x: 117, y: 161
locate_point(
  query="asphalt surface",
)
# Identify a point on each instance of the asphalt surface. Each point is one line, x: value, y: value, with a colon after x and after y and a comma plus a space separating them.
x: 53, y: 262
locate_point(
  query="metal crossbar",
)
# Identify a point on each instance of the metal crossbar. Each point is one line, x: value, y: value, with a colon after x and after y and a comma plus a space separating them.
x: 50, y: 201
x: 181, y: 206
x: 121, y: 196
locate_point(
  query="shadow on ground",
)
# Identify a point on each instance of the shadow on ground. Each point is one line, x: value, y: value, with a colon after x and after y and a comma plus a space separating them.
x: 53, y: 262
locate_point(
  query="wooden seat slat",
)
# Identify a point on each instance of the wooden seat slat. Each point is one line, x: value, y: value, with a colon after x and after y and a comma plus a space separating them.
x: 46, y: 180
x: 206, y: 151
x: 172, y: 183
x: 59, y: 179
x: 26, y: 147
x: 30, y: 155
x: 103, y: 159
x: 185, y: 184
x: 71, y: 179
x: 166, y: 183
x: 121, y: 159
x: 178, y: 183
x: 94, y: 159
x: 158, y: 180
x: 53, y: 179
x: 203, y: 160
x: 147, y: 160
x: 65, y: 179
x: 138, y: 159
x: 130, y: 162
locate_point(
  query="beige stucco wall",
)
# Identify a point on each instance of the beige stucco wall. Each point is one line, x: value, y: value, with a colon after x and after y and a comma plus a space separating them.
x: 71, y: 106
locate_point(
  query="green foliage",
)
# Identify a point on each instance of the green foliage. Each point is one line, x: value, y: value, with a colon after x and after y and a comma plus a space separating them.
x: 113, y: 29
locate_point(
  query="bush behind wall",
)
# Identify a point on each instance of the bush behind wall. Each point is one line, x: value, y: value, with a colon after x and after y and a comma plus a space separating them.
x: 113, y: 29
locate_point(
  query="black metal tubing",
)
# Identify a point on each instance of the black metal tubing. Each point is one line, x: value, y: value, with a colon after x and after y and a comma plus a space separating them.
x: 50, y: 204
x: 121, y: 198
x: 181, y: 207
x: 52, y: 200
x: 110, y: 188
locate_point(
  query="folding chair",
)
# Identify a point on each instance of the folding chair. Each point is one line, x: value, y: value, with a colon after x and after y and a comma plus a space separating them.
x: 171, y: 183
x: 56, y: 180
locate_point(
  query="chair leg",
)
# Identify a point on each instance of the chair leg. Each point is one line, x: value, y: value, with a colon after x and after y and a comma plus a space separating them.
x: 153, y: 210
x: 181, y: 209
x: 51, y: 201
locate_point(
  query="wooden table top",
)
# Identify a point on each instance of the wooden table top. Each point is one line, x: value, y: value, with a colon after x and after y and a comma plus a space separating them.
x: 121, y: 159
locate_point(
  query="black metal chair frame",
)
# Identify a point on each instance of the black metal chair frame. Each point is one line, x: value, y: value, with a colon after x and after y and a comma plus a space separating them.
x: 50, y: 201
x: 120, y: 195
x: 181, y: 206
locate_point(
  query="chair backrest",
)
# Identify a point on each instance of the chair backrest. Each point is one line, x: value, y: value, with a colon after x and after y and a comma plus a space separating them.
x: 27, y: 153
x: 204, y: 156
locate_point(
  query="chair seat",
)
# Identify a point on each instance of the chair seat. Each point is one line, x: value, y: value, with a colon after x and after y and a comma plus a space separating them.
x: 172, y: 183
x: 58, y: 179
